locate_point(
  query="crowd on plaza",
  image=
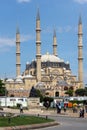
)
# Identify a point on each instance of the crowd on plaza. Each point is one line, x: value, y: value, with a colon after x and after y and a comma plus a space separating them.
x: 81, y: 111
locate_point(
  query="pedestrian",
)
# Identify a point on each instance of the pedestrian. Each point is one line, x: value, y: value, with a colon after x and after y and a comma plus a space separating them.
x: 80, y: 112
x: 58, y: 106
x: 65, y: 108
x: 83, y: 112
x: 21, y: 108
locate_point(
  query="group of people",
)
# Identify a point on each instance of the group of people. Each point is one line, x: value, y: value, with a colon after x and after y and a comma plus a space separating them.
x: 58, y: 106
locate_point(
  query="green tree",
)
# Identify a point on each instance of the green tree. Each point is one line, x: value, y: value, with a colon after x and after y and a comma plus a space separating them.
x: 81, y: 92
x: 39, y: 94
x: 69, y: 92
x: 2, y: 88
x: 47, y: 101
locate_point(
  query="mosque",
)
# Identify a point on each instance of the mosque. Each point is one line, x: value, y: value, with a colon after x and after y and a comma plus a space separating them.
x: 47, y: 72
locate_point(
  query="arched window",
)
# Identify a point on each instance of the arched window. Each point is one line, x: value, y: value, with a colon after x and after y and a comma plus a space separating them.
x: 12, y: 95
x: 57, y: 94
x: 71, y: 88
x: 47, y: 93
x: 65, y: 88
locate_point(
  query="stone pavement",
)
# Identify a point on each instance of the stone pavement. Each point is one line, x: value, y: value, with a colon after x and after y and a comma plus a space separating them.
x: 38, y: 112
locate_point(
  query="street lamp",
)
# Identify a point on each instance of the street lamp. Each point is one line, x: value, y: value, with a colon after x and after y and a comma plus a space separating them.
x: 5, y: 97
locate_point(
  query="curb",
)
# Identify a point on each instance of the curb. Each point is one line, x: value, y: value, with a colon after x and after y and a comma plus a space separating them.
x: 29, y: 127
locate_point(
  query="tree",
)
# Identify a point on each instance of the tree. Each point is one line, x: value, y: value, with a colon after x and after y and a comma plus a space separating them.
x: 39, y: 94
x: 47, y: 101
x: 81, y: 92
x: 2, y: 88
x: 1, y: 83
x: 69, y: 92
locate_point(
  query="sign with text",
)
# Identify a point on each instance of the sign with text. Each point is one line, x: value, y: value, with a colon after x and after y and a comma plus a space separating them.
x: 33, y: 102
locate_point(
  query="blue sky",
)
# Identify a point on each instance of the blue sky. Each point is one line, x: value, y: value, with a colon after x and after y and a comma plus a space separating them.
x: 63, y: 15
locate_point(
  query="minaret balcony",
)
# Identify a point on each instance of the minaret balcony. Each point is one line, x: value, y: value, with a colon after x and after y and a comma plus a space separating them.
x: 38, y: 29
x: 38, y: 42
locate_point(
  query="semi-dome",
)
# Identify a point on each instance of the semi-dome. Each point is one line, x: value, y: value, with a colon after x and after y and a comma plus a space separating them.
x: 10, y: 80
x: 51, y: 58
x: 18, y: 80
x: 40, y: 85
x: 27, y: 76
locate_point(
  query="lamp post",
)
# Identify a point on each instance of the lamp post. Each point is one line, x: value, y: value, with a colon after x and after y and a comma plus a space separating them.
x: 5, y: 97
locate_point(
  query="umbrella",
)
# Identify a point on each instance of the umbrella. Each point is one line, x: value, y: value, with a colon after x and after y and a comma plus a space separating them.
x: 75, y: 104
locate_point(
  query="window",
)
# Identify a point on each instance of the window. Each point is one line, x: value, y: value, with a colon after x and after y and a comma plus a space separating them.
x: 57, y: 94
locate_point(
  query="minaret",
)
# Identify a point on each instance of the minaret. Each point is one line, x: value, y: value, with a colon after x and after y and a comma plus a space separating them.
x: 17, y: 53
x: 38, y: 48
x: 54, y: 44
x: 80, y: 53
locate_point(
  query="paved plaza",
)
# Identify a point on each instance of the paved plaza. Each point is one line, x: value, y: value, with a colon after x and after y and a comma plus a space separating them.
x: 36, y: 111
x: 40, y: 112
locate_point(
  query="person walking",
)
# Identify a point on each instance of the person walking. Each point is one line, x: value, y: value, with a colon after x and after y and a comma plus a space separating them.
x: 80, y: 112
x: 65, y: 108
x: 83, y: 112
x: 21, y: 108
x: 58, y: 106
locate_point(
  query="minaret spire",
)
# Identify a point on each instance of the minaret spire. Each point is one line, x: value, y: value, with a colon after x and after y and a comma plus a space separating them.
x: 80, y: 20
x: 17, y: 30
x: 80, y: 52
x: 38, y: 15
x: 17, y: 52
x: 38, y: 47
x: 54, y: 44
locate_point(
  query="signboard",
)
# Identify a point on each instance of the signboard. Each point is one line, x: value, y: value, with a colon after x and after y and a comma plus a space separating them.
x: 33, y: 102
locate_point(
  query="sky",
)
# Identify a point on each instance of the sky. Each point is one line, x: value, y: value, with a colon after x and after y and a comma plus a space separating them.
x: 61, y: 15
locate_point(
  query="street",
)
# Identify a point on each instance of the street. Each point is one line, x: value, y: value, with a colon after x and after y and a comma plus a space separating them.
x: 68, y: 123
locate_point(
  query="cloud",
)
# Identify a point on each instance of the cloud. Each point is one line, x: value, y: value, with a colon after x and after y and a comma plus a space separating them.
x: 11, y: 42
x: 65, y: 29
x: 23, y: 1
x: 68, y: 28
x: 26, y: 37
x: 81, y: 1
x: 5, y: 41
x: 59, y: 29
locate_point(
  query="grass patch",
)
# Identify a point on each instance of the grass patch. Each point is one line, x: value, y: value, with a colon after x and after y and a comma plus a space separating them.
x: 22, y: 120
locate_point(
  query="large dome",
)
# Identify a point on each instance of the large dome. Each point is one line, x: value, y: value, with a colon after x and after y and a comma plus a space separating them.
x: 51, y: 58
